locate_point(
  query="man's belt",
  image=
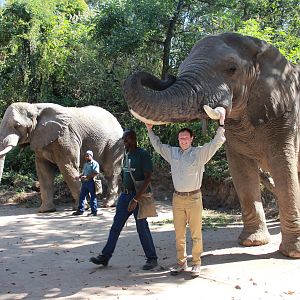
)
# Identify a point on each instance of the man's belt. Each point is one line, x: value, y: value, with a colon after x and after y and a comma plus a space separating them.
x: 127, y: 191
x: 188, y: 193
x: 87, y: 180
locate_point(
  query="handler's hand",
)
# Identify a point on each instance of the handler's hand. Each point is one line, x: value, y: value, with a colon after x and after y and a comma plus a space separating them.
x: 149, y: 126
x: 222, y: 112
x: 132, y: 205
x: 217, y: 113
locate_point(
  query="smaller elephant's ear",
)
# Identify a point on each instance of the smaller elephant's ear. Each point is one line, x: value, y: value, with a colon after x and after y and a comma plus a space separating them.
x: 270, y: 96
x: 52, y: 123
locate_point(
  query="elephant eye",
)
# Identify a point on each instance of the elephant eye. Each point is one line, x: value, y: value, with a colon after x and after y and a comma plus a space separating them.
x: 231, y: 70
x: 17, y: 125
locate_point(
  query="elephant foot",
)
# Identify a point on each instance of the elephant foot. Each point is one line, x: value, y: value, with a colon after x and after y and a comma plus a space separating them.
x: 290, y: 247
x: 257, y: 238
x: 46, y: 209
x: 110, y: 202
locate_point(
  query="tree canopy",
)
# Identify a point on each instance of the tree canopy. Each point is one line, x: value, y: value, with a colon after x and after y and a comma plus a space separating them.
x: 78, y: 52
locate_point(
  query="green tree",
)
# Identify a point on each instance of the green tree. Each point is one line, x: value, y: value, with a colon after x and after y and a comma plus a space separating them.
x: 79, y: 52
x: 26, y: 29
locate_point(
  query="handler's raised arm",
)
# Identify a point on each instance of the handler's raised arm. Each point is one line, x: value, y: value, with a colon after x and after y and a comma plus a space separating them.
x: 149, y: 126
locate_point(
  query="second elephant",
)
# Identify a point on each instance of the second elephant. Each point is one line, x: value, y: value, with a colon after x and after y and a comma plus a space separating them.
x: 59, y: 136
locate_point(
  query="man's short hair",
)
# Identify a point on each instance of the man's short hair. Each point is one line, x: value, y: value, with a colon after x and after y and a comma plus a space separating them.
x: 188, y: 130
x: 129, y: 132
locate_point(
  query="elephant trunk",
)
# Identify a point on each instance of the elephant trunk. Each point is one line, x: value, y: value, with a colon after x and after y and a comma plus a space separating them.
x: 155, y: 101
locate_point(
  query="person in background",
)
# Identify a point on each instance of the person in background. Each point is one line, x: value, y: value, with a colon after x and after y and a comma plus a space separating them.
x: 187, y: 167
x: 139, y: 162
x: 90, y: 170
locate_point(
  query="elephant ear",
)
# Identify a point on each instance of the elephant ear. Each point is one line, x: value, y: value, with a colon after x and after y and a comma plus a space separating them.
x: 270, y: 96
x: 52, y: 123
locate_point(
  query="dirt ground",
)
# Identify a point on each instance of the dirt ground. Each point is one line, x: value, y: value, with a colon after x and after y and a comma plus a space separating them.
x: 46, y: 256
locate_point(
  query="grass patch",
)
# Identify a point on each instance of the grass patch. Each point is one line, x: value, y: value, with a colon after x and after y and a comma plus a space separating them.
x: 210, y: 219
x: 213, y: 219
x: 162, y: 222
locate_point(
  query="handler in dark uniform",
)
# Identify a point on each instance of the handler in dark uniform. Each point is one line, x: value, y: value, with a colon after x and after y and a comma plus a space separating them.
x: 139, y: 162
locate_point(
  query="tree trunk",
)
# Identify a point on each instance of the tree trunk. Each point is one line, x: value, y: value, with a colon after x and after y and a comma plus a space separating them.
x: 167, y: 42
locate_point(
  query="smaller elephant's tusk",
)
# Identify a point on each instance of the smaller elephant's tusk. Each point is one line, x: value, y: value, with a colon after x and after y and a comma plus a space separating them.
x: 6, y: 150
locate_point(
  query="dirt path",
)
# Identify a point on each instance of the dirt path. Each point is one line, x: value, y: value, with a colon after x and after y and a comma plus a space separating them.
x: 46, y: 256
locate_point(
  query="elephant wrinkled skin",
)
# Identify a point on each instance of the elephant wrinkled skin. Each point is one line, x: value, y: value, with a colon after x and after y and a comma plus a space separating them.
x: 59, y: 136
x: 259, y: 89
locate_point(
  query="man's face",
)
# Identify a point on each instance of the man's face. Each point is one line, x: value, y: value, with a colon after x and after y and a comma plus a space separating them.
x: 88, y: 157
x: 185, y: 140
x: 129, y: 141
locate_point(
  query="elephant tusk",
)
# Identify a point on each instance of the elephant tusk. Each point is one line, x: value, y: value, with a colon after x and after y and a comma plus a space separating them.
x: 147, y: 121
x: 212, y: 113
x: 6, y: 150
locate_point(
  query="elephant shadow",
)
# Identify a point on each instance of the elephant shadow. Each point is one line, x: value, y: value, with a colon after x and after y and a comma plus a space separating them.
x: 225, y: 250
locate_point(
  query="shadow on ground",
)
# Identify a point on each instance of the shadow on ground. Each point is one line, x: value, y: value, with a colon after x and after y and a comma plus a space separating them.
x: 53, y: 250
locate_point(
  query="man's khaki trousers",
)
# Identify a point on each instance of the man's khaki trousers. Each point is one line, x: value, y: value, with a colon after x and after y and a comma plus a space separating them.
x: 188, y: 210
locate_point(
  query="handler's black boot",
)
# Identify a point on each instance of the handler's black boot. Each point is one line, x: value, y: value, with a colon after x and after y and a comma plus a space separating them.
x: 99, y: 260
x: 150, y: 264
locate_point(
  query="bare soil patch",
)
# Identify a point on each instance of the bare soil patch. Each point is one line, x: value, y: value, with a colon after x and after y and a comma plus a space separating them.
x: 46, y: 256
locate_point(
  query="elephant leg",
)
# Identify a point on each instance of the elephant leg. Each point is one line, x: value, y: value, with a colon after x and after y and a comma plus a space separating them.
x: 285, y: 174
x: 45, y: 171
x: 112, y: 189
x: 245, y: 175
x: 69, y: 170
x: 112, y: 165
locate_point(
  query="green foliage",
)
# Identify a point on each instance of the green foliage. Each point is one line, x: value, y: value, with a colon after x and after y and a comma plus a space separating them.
x: 38, y: 42
x: 127, y: 27
x: 21, y: 160
x: 217, y: 167
x: 21, y: 182
x: 78, y: 52
x: 286, y: 43
x: 19, y: 170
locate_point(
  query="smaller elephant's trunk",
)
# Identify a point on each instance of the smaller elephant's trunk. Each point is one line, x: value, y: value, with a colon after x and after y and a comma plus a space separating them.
x: 2, y: 159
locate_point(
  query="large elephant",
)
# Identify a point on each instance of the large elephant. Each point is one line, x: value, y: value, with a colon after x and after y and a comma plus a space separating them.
x: 59, y: 136
x: 259, y: 89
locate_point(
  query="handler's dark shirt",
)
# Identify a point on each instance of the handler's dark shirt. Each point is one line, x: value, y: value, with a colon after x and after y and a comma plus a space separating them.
x: 139, y: 161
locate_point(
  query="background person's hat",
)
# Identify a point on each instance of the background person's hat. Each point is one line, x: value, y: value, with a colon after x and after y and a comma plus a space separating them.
x: 89, y: 152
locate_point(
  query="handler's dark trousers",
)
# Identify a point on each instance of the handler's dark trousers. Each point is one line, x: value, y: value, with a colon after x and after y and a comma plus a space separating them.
x: 120, y: 219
